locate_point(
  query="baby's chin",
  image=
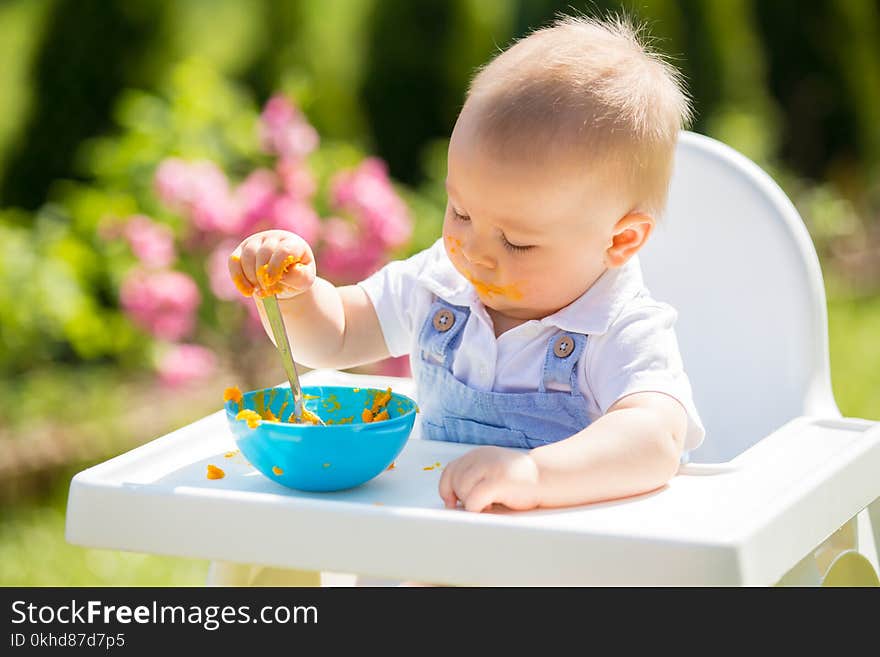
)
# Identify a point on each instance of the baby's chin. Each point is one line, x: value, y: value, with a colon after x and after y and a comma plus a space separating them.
x: 511, y: 309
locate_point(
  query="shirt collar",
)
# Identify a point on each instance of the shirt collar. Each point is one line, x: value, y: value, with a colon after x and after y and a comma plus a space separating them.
x: 591, y: 313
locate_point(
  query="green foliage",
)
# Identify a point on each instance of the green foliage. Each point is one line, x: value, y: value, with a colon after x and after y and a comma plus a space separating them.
x: 853, y: 327
x: 51, y: 306
x: 33, y: 552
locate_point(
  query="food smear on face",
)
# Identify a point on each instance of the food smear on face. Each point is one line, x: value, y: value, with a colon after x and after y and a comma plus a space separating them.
x: 489, y: 289
x: 453, y: 244
x: 214, y: 472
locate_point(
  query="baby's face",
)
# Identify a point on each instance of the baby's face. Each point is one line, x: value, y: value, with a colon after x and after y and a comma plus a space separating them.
x: 531, y: 239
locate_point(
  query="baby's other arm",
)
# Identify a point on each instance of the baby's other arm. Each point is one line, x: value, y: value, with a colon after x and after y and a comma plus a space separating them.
x: 634, y: 448
x: 328, y: 326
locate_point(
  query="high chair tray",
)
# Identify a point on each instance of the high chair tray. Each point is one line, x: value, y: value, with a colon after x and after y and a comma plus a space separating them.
x: 745, y: 522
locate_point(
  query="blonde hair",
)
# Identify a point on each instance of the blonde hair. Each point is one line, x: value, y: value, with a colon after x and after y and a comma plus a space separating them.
x: 592, y: 88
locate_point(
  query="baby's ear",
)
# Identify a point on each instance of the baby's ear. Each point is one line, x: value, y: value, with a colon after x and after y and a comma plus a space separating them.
x: 628, y: 236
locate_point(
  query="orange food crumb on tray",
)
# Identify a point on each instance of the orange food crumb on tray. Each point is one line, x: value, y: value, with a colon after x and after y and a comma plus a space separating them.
x: 215, y: 473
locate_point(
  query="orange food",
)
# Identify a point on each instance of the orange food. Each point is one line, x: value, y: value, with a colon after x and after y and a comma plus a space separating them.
x: 490, y: 289
x: 271, y: 283
x: 377, y: 412
x: 308, y: 416
x: 232, y: 394
x: 244, y: 288
x: 278, y: 471
x: 229, y: 455
x: 392, y: 466
x: 380, y: 400
x: 215, y: 473
x: 252, y: 418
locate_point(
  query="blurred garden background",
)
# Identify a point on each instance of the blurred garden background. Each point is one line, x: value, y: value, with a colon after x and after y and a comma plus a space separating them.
x: 141, y: 139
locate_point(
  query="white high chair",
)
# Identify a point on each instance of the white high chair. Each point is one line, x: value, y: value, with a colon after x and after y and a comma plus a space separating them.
x: 780, y: 493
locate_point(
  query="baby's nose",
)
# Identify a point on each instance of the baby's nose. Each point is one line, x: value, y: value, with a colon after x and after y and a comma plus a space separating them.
x: 477, y: 257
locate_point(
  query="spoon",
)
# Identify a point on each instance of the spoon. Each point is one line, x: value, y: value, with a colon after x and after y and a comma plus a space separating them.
x: 273, y: 314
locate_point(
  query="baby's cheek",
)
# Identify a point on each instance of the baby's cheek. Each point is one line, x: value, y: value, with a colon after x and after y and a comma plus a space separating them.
x: 453, y: 244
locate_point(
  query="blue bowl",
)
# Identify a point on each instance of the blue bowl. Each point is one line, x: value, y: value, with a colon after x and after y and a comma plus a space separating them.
x: 346, y: 453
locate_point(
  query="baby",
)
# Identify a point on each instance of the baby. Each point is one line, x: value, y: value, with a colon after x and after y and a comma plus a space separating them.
x: 528, y: 324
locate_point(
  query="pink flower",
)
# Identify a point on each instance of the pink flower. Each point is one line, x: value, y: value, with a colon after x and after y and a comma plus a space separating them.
x: 255, y: 197
x: 161, y: 302
x: 253, y: 327
x: 368, y: 194
x: 346, y: 257
x: 218, y: 273
x: 296, y: 179
x: 171, y: 182
x: 151, y: 243
x: 199, y: 190
x: 185, y: 363
x: 285, y: 131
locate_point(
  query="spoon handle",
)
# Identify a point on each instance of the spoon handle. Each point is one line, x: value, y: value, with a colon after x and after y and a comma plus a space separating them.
x: 273, y: 314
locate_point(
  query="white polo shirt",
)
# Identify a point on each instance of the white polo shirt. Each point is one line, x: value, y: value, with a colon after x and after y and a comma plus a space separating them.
x: 631, y: 344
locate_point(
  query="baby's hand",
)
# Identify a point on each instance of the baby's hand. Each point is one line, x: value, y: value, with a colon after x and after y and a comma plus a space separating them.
x: 273, y: 262
x: 490, y: 475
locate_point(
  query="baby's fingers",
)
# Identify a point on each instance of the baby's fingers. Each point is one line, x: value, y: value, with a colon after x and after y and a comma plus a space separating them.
x: 236, y: 272
x: 292, y: 268
x: 481, y: 496
x: 447, y: 493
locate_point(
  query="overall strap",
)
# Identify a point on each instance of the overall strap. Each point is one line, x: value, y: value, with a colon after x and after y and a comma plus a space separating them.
x: 560, y: 363
x: 441, y: 332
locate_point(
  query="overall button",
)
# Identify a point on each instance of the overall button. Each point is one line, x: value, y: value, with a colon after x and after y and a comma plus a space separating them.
x: 564, y: 346
x: 443, y: 320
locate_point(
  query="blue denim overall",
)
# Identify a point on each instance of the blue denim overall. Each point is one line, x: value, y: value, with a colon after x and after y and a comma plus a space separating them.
x: 452, y: 411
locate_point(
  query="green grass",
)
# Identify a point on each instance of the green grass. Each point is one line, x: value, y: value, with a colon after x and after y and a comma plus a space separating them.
x: 33, y: 551
x: 854, y: 342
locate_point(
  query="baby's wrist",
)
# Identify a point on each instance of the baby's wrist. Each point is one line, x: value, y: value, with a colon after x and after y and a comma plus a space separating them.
x: 539, y: 477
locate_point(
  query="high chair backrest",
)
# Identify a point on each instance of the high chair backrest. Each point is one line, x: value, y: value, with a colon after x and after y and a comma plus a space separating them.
x: 733, y: 256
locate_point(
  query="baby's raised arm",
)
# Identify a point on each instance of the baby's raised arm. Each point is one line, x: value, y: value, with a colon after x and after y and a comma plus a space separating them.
x: 328, y: 326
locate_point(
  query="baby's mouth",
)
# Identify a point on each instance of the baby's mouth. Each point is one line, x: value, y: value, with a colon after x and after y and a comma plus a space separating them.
x: 491, y: 290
